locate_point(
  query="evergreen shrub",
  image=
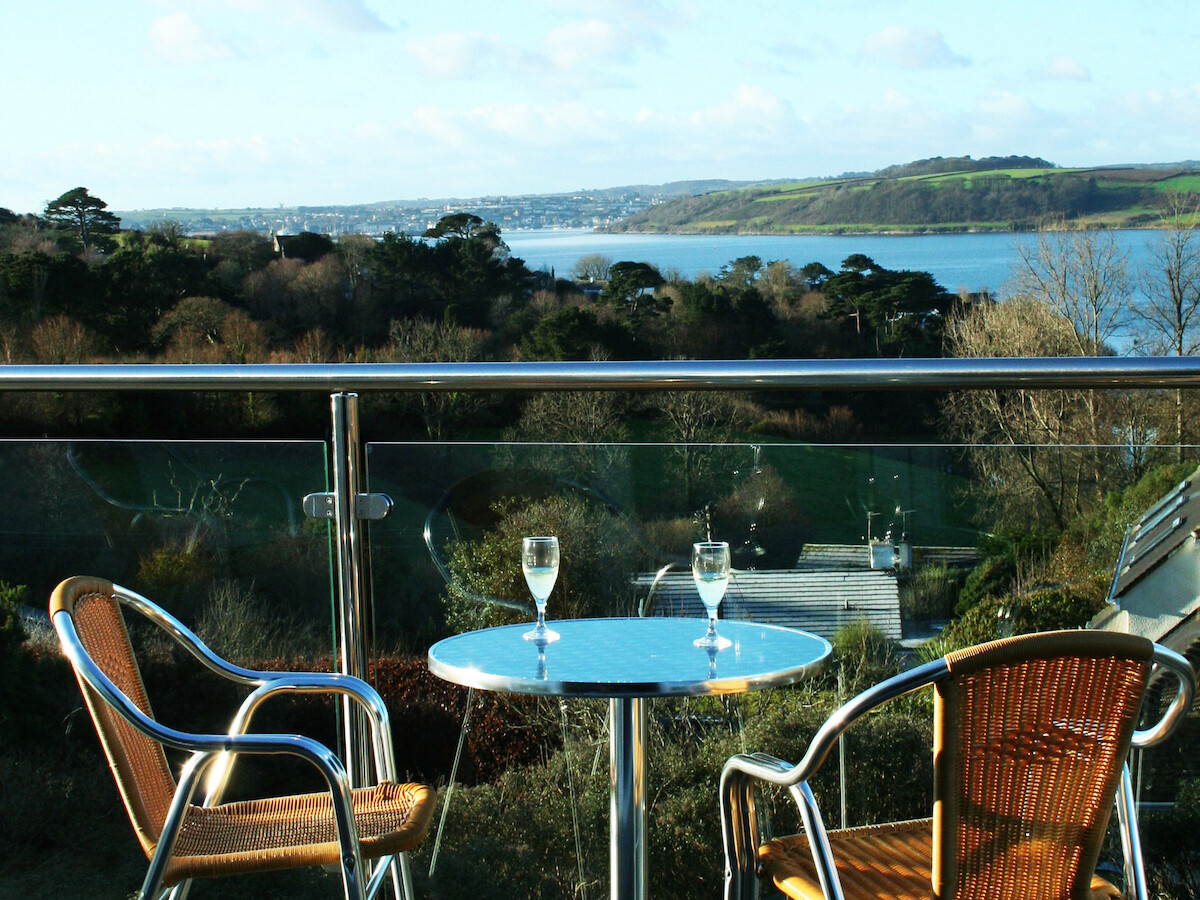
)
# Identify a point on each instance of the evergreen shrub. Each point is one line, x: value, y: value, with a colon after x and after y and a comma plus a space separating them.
x: 932, y: 593
x: 992, y: 578
x: 13, y: 664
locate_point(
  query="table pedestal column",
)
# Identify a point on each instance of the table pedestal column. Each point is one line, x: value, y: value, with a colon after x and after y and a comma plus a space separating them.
x: 627, y: 755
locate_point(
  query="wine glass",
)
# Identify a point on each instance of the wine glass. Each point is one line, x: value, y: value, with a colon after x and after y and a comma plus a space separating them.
x: 539, y: 562
x: 710, y: 569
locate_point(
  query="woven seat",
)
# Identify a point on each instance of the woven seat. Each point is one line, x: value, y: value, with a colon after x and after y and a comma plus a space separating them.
x: 285, y: 832
x: 185, y: 839
x: 1030, y: 740
x: 893, y: 860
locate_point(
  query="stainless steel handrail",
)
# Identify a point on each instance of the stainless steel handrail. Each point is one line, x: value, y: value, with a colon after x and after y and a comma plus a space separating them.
x: 343, y: 380
x: 796, y: 374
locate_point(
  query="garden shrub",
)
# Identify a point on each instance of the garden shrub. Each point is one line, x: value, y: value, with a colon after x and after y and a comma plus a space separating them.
x: 1064, y: 606
x: 14, y: 673
x: 994, y: 577
x: 931, y: 593
x: 862, y: 656
x: 241, y: 626
x: 1172, y: 851
x: 889, y: 764
x: 598, y: 554
x: 175, y: 577
x: 977, y: 625
x: 1101, y: 534
x: 505, y: 731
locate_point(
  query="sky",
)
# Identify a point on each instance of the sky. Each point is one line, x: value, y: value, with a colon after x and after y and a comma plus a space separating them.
x: 265, y: 103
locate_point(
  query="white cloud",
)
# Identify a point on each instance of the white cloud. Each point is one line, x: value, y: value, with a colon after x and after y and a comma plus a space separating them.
x: 179, y: 38
x: 582, y: 44
x: 1008, y: 108
x: 525, y: 124
x: 1167, y: 117
x: 347, y: 15
x: 568, y: 57
x: 751, y: 123
x: 643, y: 12
x: 1064, y: 68
x: 751, y: 110
x: 459, y: 54
x: 440, y: 126
x: 1013, y: 120
x: 913, y: 48
x: 322, y: 15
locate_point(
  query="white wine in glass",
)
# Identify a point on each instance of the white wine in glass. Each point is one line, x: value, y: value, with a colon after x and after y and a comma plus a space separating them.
x: 710, y: 569
x: 539, y: 562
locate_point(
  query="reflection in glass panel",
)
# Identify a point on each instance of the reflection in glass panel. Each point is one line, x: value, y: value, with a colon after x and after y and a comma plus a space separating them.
x: 814, y: 529
x: 214, y: 532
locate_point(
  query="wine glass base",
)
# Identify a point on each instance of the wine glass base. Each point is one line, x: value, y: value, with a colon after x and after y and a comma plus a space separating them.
x: 541, y: 635
x: 715, y: 642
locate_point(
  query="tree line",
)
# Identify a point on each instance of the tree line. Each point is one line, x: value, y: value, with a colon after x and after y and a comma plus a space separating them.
x: 75, y: 288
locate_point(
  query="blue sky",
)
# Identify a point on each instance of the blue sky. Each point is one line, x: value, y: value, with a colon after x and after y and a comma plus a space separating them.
x: 236, y: 103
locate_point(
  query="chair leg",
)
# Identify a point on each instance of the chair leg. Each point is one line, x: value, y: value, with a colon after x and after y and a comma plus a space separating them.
x: 398, y: 868
x: 1131, y: 844
x: 739, y: 825
x: 352, y: 883
x: 189, y: 780
x: 406, y: 876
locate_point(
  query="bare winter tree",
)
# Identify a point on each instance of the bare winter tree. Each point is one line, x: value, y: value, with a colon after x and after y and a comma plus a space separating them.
x: 1082, y: 276
x: 698, y: 421
x: 1032, y: 449
x: 582, y: 431
x: 420, y: 340
x: 1170, y: 313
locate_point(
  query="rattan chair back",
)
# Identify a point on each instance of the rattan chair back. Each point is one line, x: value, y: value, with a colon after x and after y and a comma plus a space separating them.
x: 138, y: 763
x: 1030, y: 736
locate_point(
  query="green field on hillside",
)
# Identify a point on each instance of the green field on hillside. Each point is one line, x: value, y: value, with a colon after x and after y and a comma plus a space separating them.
x: 970, y: 199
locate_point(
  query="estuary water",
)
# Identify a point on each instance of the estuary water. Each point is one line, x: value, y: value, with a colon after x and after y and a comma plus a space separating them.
x: 970, y: 261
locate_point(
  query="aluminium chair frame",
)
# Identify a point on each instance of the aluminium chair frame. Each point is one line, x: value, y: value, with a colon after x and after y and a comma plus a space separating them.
x: 739, y: 821
x: 214, y: 753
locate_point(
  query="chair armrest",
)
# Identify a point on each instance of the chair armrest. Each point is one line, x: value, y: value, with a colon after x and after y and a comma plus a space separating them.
x: 210, y: 748
x: 311, y: 683
x: 1180, y: 703
x: 739, y: 823
x: 739, y: 820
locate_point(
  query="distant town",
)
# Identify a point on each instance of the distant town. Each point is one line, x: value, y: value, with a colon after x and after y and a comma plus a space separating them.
x: 580, y: 209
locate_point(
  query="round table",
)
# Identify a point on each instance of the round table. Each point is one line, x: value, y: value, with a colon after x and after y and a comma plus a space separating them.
x: 628, y: 660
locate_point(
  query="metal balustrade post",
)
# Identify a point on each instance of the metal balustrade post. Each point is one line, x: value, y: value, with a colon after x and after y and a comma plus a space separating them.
x: 347, y: 507
x: 354, y: 619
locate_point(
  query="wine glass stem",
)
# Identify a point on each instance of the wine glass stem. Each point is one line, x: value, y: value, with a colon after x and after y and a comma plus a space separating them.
x: 712, y: 624
x: 541, y: 622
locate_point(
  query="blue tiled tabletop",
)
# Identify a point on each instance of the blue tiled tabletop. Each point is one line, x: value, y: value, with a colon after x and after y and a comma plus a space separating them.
x: 634, y: 657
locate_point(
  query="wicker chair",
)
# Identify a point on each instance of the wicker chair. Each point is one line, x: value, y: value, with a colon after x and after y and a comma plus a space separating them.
x: 183, y: 839
x: 1031, y: 736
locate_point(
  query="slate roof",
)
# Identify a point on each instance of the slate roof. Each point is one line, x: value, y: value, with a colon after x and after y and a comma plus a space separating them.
x: 834, y: 556
x: 858, y: 556
x: 1156, y: 586
x: 955, y: 557
x: 820, y: 601
x: 1161, y: 531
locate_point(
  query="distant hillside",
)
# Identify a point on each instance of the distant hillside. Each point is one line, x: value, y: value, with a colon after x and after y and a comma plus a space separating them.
x: 941, y: 194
